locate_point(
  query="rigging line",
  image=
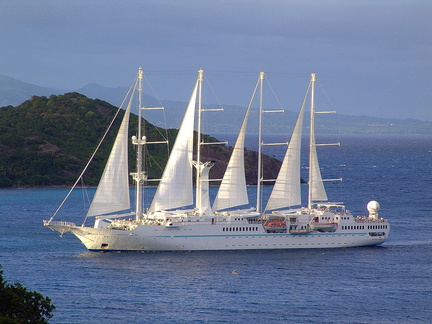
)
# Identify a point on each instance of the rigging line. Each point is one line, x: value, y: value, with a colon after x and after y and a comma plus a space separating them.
x: 159, y: 102
x: 205, y: 122
x: 224, y: 74
x: 165, y: 137
x: 85, y: 196
x: 335, y: 121
x: 241, y: 74
x: 214, y: 93
x: 329, y: 103
x: 170, y: 74
x: 85, y: 193
x: 228, y: 74
x: 152, y: 158
x: 274, y: 94
x: 94, y: 153
x: 293, y: 76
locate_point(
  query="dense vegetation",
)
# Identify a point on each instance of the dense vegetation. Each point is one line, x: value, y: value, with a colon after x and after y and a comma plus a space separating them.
x: 19, y: 305
x: 48, y: 141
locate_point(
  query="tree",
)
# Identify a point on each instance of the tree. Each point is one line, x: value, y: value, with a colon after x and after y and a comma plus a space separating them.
x: 19, y: 305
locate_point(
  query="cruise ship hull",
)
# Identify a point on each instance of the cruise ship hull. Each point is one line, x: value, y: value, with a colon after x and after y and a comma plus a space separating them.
x: 216, y: 237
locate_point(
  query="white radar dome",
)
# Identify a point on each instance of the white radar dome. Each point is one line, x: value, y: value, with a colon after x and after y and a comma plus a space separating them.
x: 373, y: 206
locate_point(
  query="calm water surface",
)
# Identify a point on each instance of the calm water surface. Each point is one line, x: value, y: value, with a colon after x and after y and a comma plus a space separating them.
x: 391, y: 283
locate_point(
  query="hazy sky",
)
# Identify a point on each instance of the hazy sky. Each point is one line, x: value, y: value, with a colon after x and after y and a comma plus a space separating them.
x: 373, y: 57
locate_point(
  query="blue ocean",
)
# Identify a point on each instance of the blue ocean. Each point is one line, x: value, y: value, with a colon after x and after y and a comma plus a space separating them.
x: 391, y: 283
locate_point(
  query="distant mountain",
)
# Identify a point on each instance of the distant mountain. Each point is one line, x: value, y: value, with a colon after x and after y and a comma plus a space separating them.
x: 112, y: 95
x: 230, y: 120
x: 14, y: 92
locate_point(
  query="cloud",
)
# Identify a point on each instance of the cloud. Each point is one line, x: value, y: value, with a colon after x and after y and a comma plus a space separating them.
x: 367, y: 45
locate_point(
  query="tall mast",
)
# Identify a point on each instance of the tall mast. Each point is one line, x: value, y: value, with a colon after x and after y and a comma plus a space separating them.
x: 258, y: 206
x: 198, y: 148
x: 139, y: 176
x: 312, y: 143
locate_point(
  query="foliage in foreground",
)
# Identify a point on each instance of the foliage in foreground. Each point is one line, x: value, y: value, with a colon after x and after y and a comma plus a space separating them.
x: 19, y: 305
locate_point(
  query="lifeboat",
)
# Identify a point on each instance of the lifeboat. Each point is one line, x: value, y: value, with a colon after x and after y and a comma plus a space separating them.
x: 324, y: 227
x: 275, y: 227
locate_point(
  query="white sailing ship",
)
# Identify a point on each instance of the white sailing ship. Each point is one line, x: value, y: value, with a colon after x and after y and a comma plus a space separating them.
x: 171, y: 224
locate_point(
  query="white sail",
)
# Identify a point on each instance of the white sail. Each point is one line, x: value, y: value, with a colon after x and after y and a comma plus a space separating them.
x: 233, y: 191
x: 112, y: 194
x: 317, y: 185
x: 205, y: 208
x: 175, y: 188
x: 286, y: 190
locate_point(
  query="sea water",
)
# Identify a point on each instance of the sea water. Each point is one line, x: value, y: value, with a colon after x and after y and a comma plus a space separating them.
x: 391, y: 283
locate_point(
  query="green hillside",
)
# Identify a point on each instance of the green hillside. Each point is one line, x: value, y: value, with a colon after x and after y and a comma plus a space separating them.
x: 48, y: 141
